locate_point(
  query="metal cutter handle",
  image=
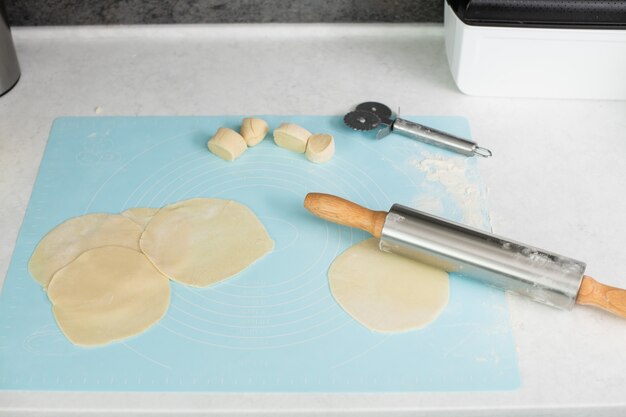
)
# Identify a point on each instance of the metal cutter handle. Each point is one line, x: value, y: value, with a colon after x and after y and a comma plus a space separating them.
x: 438, y: 138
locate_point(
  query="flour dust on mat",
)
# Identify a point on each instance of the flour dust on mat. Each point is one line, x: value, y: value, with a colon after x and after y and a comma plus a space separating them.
x: 68, y: 240
x: 108, y: 294
x: 202, y: 241
x: 452, y: 174
x: 385, y: 292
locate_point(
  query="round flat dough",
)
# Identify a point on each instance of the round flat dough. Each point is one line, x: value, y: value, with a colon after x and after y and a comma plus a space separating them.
x: 65, y: 242
x: 386, y: 292
x: 202, y: 241
x: 108, y: 294
x: 140, y: 215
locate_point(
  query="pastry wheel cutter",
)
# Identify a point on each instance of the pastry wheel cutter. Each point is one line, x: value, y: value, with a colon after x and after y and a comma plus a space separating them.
x: 515, y: 267
x: 371, y: 115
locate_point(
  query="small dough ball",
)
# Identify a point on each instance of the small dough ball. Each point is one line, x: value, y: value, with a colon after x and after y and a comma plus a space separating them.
x: 227, y: 144
x: 291, y: 136
x: 253, y: 130
x: 108, y: 294
x: 65, y: 242
x: 320, y: 148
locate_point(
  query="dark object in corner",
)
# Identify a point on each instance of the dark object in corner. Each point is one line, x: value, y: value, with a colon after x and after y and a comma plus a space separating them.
x: 9, y: 67
x: 597, y: 14
x: 114, y: 12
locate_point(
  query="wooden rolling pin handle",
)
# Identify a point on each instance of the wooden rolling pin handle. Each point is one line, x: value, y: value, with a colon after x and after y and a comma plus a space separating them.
x: 608, y: 298
x: 346, y: 213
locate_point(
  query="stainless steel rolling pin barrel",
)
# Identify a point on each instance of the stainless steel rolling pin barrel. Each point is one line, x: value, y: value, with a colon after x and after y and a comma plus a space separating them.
x: 543, y: 276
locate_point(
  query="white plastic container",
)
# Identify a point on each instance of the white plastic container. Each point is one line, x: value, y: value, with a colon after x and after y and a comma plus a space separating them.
x: 536, y: 62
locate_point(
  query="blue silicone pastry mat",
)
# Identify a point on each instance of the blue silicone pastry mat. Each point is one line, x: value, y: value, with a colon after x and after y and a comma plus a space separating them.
x: 275, y: 327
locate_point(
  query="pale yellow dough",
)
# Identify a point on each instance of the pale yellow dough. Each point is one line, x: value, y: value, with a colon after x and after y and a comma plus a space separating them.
x: 320, y: 148
x: 386, y: 292
x: 253, y: 130
x: 227, y: 144
x: 108, y: 294
x: 291, y: 136
x: 140, y: 215
x: 202, y: 241
x: 65, y: 242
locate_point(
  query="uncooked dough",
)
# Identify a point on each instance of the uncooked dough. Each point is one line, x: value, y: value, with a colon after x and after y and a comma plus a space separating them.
x: 386, y: 292
x: 140, y: 215
x: 204, y: 240
x: 65, y: 242
x: 253, y: 130
x: 291, y: 136
x: 108, y: 294
x: 320, y: 148
x: 227, y: 144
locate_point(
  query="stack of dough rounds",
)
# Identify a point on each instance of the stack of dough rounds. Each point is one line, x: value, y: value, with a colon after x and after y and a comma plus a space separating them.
x: 65, y: 242
x: 140, y: 215
x: 107, y: 274
x: 108, y: 294
x: 202, y: 241
x: 385, y: 292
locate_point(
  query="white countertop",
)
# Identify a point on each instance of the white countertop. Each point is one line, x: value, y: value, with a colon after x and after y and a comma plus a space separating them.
x: 557, y: 181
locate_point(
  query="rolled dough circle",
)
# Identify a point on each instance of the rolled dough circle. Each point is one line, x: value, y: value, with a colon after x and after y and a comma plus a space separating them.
x: 68, y: 240
x: 201, y: 241
x: 108, y: 294
x: 385, y: 292
x: 140, y: 215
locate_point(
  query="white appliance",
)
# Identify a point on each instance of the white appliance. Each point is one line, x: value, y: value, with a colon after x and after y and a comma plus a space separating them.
x: 537, y: 48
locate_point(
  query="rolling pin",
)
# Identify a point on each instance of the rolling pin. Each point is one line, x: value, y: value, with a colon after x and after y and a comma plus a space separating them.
x: 543, y: 276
